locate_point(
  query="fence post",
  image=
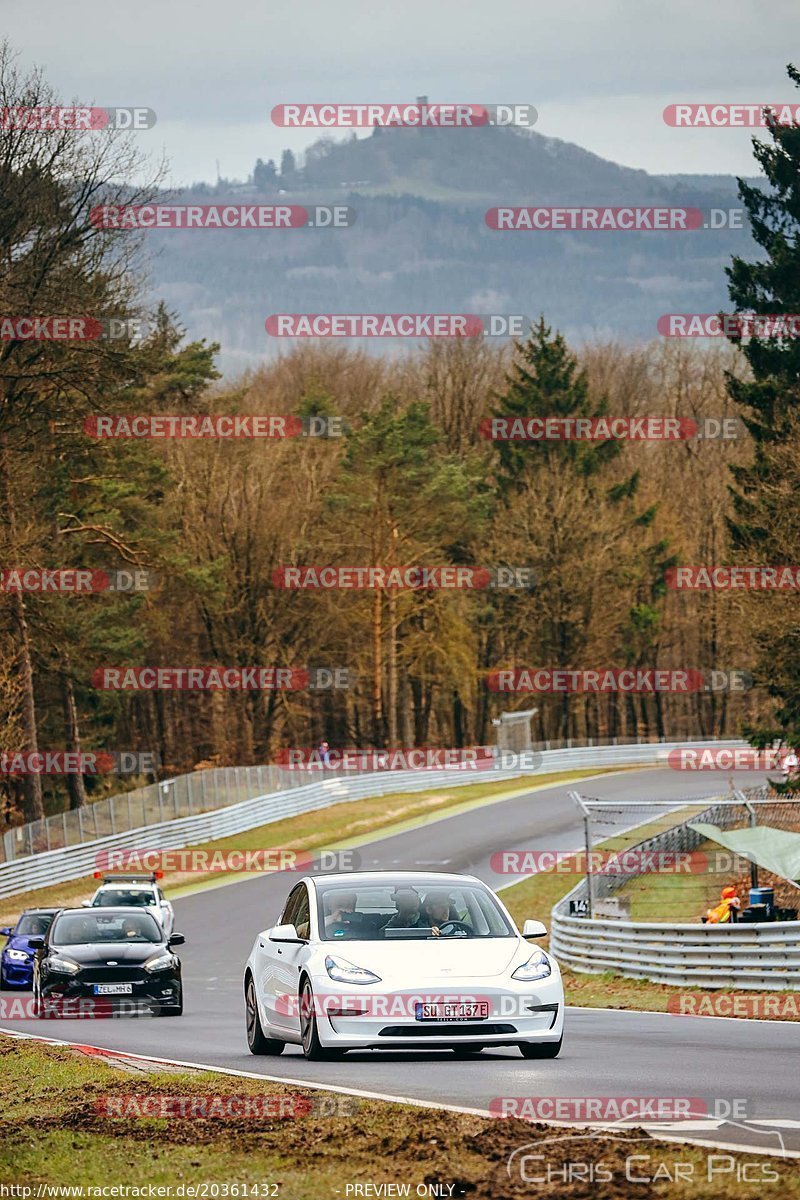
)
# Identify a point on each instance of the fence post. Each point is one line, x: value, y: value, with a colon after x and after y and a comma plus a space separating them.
x: 753, y: 818
x: 587, y: 835
x: 190, y: 794
x: 80, y: 824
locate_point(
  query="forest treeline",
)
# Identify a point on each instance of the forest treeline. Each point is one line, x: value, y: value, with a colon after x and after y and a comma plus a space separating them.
x: 411, y: 482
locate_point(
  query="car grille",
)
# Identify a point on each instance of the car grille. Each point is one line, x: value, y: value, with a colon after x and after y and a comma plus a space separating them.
x: 443, y: 1029
x: 112, y: 975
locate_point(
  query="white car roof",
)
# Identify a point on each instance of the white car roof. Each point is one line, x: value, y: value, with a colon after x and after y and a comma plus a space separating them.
x: 356, y: 879
x: 127, y: 887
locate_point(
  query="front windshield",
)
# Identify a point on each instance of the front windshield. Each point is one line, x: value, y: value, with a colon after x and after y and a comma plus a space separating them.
x: 75, y: 929
x: 34, y: 924
x: 115, y: 897
x: 408, y: 911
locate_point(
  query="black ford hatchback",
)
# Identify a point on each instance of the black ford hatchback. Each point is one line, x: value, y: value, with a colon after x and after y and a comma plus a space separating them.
x: 105, y: 961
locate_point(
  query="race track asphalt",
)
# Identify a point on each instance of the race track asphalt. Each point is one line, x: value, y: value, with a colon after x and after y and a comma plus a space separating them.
x: 606, y: 1053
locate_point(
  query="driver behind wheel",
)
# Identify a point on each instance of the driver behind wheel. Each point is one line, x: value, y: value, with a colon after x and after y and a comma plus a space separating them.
x: 438, y: 910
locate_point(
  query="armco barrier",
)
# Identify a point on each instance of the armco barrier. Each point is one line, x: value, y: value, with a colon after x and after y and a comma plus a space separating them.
x: 73, y: 862
x: 752, y: 957
x: 762, y: 957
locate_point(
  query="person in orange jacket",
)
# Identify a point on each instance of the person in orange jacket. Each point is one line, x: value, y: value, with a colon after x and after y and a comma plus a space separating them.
x: 726, y: 910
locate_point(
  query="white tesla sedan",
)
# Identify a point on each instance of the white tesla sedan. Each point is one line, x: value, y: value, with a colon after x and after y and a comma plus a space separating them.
x: 400, y: 960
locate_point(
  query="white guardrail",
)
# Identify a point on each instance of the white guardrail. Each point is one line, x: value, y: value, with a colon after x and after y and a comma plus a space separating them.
x: 757, y: 957
x: 73, y: 862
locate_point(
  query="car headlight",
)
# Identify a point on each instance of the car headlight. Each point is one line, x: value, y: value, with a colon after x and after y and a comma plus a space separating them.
x: 17, y: 955
x: 537, y: 967
x: 345, y: 972
x: 64, y: 966
x: 161, y: 962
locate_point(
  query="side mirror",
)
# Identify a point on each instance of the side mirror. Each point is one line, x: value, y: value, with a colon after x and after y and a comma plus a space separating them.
x: 285, y: 933
x: 534, y: 929
x: 176, y: 939
x: 6, y: 931
x: 86, y: 904
x: 35, y: 943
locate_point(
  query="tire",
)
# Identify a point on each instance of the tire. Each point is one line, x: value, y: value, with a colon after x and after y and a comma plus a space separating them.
x: 541, y: 1049
x: 312, y: 1046
x: 170, y: 1010
x: 256, y: 1041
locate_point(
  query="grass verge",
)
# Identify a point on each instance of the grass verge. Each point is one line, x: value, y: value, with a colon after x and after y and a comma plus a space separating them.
x: 58, y: 1135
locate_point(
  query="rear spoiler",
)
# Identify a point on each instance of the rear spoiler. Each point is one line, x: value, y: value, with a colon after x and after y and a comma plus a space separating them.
x: 153, y: 877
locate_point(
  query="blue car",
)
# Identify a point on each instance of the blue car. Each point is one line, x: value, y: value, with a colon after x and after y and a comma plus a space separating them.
x: 16, y: 959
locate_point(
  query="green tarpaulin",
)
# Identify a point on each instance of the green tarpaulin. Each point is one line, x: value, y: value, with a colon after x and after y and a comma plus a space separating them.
x: 775, y: 850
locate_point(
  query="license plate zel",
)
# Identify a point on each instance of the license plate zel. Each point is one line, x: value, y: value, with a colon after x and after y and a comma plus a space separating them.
x: 113, y: 989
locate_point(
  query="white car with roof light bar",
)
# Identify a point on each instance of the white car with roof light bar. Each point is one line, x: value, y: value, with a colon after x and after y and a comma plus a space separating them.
x: 134, y: 891
x: 400, y: 960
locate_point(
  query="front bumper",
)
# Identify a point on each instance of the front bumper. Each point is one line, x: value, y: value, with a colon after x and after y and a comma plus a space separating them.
x: 16, y: 974
x: 152, y: 991
x: 527, y: 1013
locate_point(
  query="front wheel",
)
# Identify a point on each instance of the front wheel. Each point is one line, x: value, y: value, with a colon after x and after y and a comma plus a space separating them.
x: 541, y: 1049
x: 313, y: 1048
x: 256, y: 1039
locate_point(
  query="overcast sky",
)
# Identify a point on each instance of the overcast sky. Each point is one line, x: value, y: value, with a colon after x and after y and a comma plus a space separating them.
x: 599, y: 72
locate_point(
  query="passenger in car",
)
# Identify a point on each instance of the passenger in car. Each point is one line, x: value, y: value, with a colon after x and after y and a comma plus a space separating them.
x: 408, y: 915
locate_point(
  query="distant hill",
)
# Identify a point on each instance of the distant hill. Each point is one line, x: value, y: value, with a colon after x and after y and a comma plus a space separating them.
x: 420, y: 243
